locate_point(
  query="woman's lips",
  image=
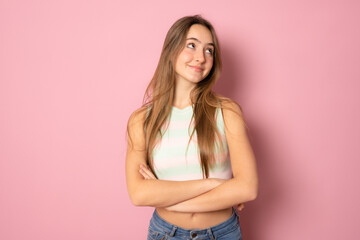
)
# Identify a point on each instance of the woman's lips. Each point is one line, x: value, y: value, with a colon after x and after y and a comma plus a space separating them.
x: 197, y: 69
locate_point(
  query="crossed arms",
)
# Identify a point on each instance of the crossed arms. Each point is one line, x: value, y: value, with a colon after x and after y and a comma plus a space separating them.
x: 196, y: 195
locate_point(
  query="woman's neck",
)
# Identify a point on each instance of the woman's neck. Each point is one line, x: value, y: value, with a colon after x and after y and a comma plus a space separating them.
x: 182, y: 94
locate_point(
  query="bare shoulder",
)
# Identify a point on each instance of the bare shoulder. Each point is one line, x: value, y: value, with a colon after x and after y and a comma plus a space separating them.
x: 137, y: 118
x: 135, y: 128
x: 233, y: 116
x: 231, y: 109
x: 230, y: 105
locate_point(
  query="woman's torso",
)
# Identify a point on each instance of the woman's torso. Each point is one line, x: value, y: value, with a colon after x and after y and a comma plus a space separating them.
x: 177, y: 159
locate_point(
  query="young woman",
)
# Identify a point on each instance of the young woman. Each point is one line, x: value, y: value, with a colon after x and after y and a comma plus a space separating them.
x: 188, y: 151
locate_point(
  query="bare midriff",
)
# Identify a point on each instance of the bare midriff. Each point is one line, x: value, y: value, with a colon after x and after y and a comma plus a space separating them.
x: 195, y: 220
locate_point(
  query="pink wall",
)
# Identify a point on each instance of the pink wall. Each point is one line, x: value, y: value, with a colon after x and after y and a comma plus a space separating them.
x: 71, y: 72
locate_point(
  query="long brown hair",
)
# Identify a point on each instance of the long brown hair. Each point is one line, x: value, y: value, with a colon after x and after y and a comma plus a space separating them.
x: 159, y: 95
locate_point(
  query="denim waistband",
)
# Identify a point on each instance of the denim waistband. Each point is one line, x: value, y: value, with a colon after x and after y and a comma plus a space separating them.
x: 216, y: 230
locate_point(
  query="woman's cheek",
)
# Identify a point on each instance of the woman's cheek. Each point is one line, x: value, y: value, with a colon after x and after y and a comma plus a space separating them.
x: 187, y: 56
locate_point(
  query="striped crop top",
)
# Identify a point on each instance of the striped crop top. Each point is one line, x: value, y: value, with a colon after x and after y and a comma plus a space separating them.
x: 173, y: 161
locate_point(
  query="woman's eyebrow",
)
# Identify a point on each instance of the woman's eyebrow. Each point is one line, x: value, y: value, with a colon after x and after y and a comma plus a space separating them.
x: 195, y: 39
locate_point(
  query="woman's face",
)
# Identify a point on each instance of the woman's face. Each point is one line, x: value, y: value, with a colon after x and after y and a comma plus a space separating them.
x: 196, y: 58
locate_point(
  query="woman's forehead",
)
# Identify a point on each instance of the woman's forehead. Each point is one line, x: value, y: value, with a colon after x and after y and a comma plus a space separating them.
x: 200, y: 33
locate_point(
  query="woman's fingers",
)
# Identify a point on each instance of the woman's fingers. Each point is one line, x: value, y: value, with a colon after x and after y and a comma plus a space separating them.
x: 143, y: 172
x: 240, y: 206
x: 152, y: 176
x: 146, y: 172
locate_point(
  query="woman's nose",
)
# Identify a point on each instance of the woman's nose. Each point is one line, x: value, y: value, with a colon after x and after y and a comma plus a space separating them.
x: 199, y: 56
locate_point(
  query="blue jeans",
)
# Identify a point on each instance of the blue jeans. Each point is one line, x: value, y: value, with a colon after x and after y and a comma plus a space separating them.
x: 159, y: 229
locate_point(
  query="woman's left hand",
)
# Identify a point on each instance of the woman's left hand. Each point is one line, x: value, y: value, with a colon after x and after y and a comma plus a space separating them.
x: 240, y: 207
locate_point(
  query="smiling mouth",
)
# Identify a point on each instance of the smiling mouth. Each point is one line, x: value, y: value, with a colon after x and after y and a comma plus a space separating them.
x: 197, y: 69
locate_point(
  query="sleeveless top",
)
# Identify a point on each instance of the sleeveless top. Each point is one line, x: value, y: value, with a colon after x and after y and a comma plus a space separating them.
x: 176, y: 159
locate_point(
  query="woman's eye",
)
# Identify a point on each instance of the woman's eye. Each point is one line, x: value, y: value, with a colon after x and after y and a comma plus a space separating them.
x: 191, y: 45
x: 209, y: 51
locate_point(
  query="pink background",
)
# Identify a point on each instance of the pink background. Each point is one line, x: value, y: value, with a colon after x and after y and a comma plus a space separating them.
x: 71, y: 72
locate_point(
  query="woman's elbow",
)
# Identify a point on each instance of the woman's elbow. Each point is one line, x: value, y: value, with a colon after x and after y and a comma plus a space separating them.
x: 249, y: 193
x: 253, y: 195
x: 249, y: 190
x: 253, y: 192
x: 137, y: 199
x: 142, y: 199
x: 134, y: 200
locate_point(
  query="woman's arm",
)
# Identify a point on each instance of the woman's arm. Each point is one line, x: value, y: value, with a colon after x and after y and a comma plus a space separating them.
x: 154, y: 192
x: 147, y: 174
x: 244, y: 186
